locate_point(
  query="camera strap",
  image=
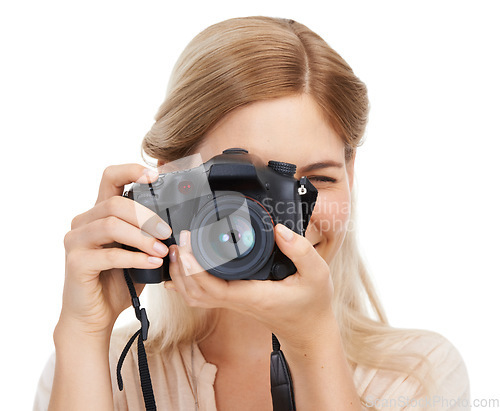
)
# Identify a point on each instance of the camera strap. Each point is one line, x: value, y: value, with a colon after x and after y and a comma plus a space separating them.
x: 141, y: 335
x: 281, y: 380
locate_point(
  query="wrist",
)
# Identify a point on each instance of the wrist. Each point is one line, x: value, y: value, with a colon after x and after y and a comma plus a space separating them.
x: 82, y: 366
x: 320, y: 370
x: 321, y: 334
x: 75, y: 333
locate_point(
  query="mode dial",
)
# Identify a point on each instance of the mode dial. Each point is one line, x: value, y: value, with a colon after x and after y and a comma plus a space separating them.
x: 286, y: 169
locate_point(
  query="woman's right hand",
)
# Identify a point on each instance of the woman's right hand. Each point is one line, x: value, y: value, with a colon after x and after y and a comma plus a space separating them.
x: 95, y: 292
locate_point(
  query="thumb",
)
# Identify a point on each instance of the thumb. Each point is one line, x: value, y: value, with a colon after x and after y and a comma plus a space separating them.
x: 298, y: 249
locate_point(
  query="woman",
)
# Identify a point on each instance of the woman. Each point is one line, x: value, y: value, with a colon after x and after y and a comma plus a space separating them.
x: 276, y: 89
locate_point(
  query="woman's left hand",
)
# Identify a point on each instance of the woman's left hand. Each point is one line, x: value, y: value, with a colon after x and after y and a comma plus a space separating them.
x: 302, y: 301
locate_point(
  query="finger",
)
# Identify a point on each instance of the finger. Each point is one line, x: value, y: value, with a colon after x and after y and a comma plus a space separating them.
x: 114, y: 178
x: 112, y: 229
x: 192, y: 293
x: 95, y: 261
x: 129, y: 211
x: 300, y: 251
x: 189, y: 262
x: 203, y: 289
x: 216, y: 291
x: 175, y: 270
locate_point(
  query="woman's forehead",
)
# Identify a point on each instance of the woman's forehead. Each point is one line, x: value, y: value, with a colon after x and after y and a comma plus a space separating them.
x: 291, y: 129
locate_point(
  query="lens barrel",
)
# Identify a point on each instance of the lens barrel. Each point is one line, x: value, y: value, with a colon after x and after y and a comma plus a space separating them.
x: 232, y: 236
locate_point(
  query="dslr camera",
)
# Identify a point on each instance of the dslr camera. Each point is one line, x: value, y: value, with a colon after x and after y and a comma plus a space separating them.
x: 230, y: 204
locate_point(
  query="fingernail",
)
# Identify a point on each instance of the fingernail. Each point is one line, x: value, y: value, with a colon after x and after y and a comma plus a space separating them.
x: 284, y: 232
x: 183, y: 238
x: 160, y: 248
x: 151, y: 173
x: 173, y: 255
x: 163, y: 229
x: 155, y: 260
x: 148, y: 176
x: 185, y: 262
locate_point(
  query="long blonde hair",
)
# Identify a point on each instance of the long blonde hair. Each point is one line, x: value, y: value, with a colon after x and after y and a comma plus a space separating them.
x: 240, y: 61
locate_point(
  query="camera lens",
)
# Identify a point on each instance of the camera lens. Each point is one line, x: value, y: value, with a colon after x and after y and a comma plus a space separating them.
x: 232, y: 236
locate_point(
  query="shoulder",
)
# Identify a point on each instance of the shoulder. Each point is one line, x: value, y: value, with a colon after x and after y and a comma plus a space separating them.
x: 448, y: 368
x: 428, y: 354
x: 175, y: 375
x: 172, y: 376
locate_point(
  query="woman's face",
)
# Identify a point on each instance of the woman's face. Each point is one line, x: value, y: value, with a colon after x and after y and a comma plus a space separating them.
x: 293, y: 130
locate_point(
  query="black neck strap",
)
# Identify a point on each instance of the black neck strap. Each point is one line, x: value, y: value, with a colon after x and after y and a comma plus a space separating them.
x: 281, y: 380
x: 141, y: 335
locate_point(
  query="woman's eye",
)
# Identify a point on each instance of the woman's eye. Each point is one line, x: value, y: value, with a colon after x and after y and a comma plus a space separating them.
x: 322, y: 178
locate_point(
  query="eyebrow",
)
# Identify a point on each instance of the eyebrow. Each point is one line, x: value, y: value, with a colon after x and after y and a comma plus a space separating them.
x: 322, y: 164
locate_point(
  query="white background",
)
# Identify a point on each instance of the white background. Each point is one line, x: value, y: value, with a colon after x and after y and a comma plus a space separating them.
x: 81, y: 82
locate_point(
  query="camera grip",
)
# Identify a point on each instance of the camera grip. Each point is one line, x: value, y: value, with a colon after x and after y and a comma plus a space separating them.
x: 149, y: 275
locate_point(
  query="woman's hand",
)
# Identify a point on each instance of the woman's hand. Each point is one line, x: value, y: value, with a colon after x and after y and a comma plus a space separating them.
x: 298, y: 309
x: 299, y: 302
x: 95, y: 292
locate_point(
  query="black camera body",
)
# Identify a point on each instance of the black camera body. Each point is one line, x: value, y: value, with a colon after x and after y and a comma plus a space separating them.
x: 230, y: 204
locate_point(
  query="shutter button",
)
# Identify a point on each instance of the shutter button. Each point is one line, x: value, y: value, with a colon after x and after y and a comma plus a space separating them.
x: 235, y: 151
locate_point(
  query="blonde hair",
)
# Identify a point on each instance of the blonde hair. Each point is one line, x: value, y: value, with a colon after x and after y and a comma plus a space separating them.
x: 240, y: 61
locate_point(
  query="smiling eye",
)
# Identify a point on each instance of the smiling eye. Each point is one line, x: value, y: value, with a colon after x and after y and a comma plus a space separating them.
x: 322, y: 178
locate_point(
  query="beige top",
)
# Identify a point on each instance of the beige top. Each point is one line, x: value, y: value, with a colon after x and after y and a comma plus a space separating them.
x: 184, y: 376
